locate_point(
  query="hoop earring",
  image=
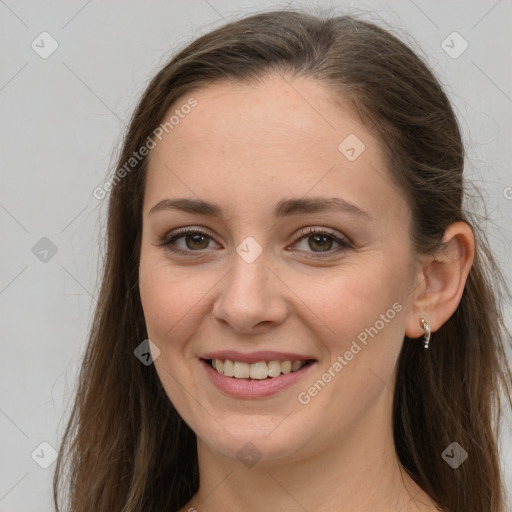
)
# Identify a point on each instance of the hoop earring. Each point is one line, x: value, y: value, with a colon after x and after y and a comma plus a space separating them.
x: 426, y: 336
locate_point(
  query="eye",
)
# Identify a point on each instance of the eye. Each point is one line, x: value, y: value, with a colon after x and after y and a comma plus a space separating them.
x: 320, y: 240
x: 194, y: 240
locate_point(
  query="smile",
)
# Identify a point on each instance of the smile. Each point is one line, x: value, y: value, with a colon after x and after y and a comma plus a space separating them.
x: 257, y: 380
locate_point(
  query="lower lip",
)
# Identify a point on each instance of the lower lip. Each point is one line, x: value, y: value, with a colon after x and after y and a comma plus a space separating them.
x: 242, y: 388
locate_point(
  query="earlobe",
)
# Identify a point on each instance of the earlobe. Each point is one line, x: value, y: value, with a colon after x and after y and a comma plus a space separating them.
x: 442, y: 280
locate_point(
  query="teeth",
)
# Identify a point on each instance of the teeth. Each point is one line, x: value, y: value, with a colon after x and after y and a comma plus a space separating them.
x: 228, y: 368
x: 241, y: 370
x: 286, y: 366
x: 296, y: 365
x: 274, y: 368
x: 258, y: 371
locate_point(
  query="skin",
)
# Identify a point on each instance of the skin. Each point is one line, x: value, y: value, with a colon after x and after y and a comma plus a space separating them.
x: 245, y: 147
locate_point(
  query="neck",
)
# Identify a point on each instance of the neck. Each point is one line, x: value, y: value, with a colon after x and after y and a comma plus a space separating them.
x: 357, y: 472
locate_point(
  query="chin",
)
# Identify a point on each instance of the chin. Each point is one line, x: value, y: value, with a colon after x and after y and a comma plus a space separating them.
x: 256, y: 440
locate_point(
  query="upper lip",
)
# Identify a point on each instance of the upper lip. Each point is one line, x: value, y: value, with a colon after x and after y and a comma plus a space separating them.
x: 255, y: 357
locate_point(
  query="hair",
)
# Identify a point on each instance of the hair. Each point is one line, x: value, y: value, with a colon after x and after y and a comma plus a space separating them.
x: 127, y: 447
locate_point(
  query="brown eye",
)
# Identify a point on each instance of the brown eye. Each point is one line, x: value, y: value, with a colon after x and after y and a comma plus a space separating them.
x: 187, y: 240
x: 318, y: 241
x: 196, y: 241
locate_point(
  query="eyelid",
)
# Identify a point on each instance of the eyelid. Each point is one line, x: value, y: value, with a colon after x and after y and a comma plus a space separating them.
x: 315, y: 230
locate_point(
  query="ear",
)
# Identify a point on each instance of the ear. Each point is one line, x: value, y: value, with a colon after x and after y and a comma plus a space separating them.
x: 441, y: 279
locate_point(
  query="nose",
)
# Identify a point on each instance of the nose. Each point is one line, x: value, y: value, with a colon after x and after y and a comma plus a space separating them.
x: 251, y: 297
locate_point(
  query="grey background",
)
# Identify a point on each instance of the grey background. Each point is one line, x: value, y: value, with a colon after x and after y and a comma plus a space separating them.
x: 63, y: 117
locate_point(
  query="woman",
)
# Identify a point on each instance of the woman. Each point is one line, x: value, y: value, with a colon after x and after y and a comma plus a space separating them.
x: 296, y: 311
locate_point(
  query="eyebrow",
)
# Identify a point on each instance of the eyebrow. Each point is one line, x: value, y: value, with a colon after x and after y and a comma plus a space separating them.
x: 283, y: 208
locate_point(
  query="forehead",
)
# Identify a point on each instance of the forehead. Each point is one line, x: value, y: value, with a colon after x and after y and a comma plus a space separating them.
x: 275, y: 116
x: 289, y: 136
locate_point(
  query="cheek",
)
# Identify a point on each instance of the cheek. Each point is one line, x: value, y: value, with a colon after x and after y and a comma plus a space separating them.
x: 171, y: 306
x: 159, y: 297
x: 363, y: 317
x: 164, y: 301
x: 362, y: 321
x: 355, y: 297
x: 175, y: 300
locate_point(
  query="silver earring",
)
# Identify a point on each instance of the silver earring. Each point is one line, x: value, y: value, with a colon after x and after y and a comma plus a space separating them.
x: 426, y: 336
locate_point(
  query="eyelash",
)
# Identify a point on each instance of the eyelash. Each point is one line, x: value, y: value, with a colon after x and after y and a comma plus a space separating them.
x: 344, y: 243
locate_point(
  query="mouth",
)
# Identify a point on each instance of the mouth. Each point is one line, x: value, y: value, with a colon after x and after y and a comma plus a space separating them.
x: 261, y: 379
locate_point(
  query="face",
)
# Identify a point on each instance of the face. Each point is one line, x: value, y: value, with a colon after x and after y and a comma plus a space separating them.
x: 302, y: 253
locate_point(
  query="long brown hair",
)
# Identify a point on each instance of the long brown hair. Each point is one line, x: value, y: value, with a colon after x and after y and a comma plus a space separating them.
x: 125, y: 446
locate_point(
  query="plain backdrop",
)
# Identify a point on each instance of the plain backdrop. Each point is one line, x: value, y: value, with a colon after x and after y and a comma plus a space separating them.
x: 71, y: 74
